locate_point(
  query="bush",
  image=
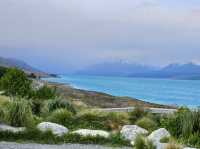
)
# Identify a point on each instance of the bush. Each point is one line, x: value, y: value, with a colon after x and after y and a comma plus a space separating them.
x: 16, y: 83
x: 45, y: 93
x: 18, y: 113
x: 37, y: 106
x: 61, y: 116
x: 60, y: 103
x: 147, y: 123
x: 136, y: 114
x: 100, y: 120
x: 143, y: 143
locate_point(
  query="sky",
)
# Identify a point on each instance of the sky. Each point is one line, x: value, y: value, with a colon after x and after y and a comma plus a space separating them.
x: 66, y: 35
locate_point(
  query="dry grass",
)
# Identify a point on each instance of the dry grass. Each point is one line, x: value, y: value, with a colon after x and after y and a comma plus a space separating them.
x: 173, y: 146
x: 4, y: 100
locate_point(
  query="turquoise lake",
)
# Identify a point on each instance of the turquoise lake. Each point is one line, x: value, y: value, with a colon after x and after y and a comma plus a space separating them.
x: 162, y: 91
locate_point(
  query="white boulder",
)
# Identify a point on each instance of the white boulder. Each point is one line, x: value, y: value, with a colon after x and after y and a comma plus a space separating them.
x: 157, y: 135
x: 130, y: 132
x: 4, y: 127
x: 94, y: 133
x: 56, y: 129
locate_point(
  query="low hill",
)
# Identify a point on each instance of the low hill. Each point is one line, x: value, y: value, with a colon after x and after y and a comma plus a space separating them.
x: 10, y: 62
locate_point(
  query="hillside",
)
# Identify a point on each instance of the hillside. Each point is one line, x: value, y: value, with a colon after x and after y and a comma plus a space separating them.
x: 10, y: 62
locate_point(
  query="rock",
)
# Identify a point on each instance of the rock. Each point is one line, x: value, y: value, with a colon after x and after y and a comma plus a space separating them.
x: 56, y: 129
x: 130, y: 132
x: 94, y: 133
x: 157, y: 135
x: 4, y: 127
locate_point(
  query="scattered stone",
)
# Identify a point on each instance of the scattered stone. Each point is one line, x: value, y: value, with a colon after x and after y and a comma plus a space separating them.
x: 56, y: 129
x: 157, y: 135
x: 4, y: 127
x: 130, y: 132
x: 94, y: 133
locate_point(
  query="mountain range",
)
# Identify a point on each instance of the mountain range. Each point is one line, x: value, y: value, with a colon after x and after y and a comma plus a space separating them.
x: 172, y: 71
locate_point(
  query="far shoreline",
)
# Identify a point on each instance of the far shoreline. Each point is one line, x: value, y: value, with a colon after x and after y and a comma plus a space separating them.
x: 96, y: 98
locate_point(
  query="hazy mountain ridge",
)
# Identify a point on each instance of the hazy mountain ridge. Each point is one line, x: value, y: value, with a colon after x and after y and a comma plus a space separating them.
x: 173, y: 71
x: 11, y: 62
x: 116, y: 69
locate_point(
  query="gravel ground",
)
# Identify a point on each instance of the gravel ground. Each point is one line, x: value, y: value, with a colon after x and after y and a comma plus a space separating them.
x: 10, y: 145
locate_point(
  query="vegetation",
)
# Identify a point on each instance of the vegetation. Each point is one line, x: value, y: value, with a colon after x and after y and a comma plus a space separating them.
x: 143, y: 143
x: 185, y: 125
x: 137, y: 113
x: 173, y: 146
x: 61, y: 116
x: 32, y: 134
x: 18, y: 113
x: 29, y: 106
x: 60, y: 103
x: 44, y: 93
x: 147, y: 123
x: 2, y: 71
x: 15, y: 83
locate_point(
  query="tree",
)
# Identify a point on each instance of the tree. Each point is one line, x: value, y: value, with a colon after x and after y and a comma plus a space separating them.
x: 16, y: 83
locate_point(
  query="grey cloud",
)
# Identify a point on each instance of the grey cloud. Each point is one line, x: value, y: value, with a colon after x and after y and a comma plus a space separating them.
x: 76, y: 33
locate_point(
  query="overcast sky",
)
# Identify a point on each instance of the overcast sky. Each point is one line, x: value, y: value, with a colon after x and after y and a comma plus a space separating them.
x: 62, y: 35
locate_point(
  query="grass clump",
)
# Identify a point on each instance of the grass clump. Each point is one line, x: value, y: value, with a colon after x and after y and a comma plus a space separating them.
x: 100, y: 120
x: 184, y: 125
x: 136, y: 114
x: 142, y: 143
x: 60, y: 103
x: 18, y: 113
x: 61, y: 116
x: 173, y: 146
x: 147, y: 124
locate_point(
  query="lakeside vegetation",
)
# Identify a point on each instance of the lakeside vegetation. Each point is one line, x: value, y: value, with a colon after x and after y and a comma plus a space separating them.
x: 25, y: 105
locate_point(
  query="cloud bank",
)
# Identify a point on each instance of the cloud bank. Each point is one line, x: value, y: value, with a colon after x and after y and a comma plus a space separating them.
x: 65, y: 35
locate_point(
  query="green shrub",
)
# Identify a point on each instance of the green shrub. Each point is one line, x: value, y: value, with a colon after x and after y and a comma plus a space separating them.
x: 18, y: 113
x: 100, y: 120
x: 147, y: 123
x: 136, y: 114
x: 45, y: 93
x: 116, y: 138
x: 143, y: 143
x: 37, y: 106
x: 193, y: 140
x: 184, y: 125
x: 15, y: 83
x: 61, y: 116
x: 60, y: 103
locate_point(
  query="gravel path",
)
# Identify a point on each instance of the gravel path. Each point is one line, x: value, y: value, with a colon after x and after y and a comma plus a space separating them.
x: 10, y: 145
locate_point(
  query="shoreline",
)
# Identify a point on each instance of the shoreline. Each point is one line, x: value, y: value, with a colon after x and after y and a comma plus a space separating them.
x: 100, y: 99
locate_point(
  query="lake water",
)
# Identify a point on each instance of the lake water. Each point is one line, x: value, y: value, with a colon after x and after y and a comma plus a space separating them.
x: 163, y: 91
